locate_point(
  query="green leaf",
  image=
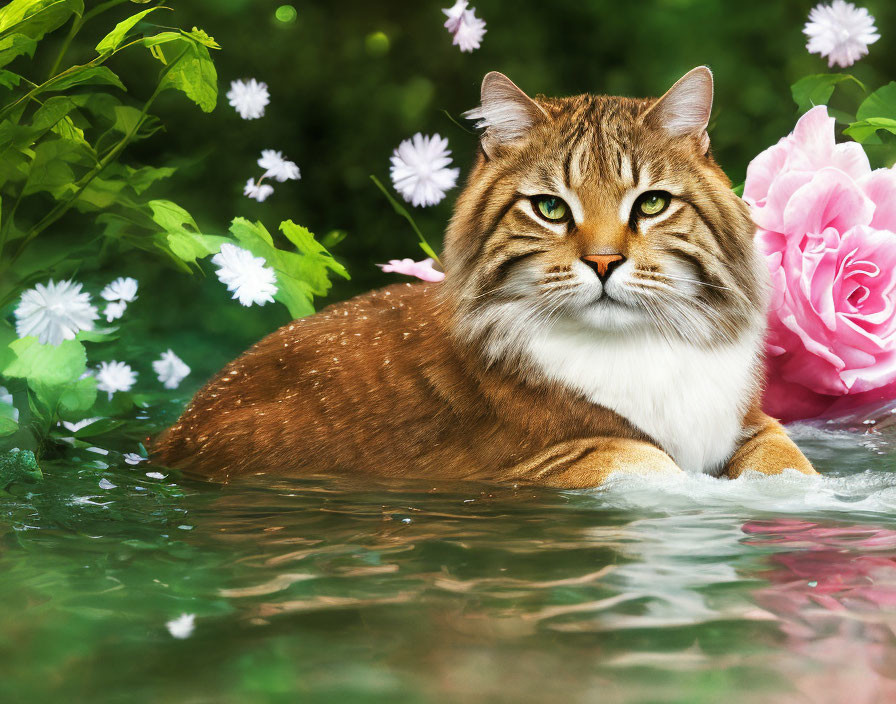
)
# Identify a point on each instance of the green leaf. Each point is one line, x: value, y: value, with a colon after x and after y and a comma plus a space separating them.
x: 182, y: 235
x: 191, y: 69
x: 15, y: 45
x: 84, y: 75
x: 881, y: 103
x: 817, y: 89
x: 301, y: 275
x: 47, y: 364
x: 51, y: 170
x: 113, y: 39
x: 34, y: 18
x: 8, y: 79
x: 141, y: 179
x: 864, y: 130
x: 70, y: 400
x: 203, y: 38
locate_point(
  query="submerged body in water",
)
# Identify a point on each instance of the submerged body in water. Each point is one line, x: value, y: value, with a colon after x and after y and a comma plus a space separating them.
x: 602, y: 311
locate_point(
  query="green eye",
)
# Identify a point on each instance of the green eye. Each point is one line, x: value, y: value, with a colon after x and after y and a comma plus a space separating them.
x: 551, y: 208
x: 653, y: 203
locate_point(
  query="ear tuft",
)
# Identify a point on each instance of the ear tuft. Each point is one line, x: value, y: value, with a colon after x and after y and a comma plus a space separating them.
x: 686, y: 106
x: 505, y: 113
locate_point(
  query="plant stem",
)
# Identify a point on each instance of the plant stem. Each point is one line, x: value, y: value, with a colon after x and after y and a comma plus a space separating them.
x: 401, y: 210
x: 76, y: 26
x: 61, y: 208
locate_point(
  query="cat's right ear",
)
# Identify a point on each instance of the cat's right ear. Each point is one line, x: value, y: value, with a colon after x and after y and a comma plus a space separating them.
x: 505, y: 113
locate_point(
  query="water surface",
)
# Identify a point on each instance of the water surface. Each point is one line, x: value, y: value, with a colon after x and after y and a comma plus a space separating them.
x: 323, y: 590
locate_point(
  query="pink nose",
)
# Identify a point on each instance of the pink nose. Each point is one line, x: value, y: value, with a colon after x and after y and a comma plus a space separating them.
x: 603, y: 264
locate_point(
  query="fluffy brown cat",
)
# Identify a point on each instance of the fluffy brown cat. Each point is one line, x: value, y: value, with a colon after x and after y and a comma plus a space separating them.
x: 602, y: 311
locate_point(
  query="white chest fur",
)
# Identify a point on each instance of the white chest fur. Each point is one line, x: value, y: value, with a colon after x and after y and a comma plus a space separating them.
x: 690, y: 400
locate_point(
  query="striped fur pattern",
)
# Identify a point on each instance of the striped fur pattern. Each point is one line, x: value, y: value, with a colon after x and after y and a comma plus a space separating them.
x: 586, y: 325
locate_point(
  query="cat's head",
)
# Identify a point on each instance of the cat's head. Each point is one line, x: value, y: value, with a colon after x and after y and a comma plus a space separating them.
x: 603, y: 213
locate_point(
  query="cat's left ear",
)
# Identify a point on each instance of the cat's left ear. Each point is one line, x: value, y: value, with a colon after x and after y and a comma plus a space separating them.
x: 686, y: 106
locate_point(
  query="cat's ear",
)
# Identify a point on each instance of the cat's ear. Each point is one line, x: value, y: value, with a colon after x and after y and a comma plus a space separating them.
x: 686, y: 106
x: 505, y: 113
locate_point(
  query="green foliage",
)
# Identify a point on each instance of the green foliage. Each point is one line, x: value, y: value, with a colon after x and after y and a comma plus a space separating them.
x: 69, y: 201
x: 301, y: 275
x: 18, y: 466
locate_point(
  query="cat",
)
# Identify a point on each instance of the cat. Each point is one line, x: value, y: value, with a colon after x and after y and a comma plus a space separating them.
x: 602, y: 311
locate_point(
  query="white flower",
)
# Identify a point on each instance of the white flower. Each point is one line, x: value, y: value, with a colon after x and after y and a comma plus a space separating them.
x: 133, y: 458
x: 249, y: 98
x: 245, y: 275
x: 841, y: 32
x: 419, y: 169
x: 455, y: 14
x: 6, y: 399
x: 54, y: 312
x: 278, y: 167
x: 258, y: 191
x: 122, y: 289
x: 466, y: 28
x: 182, y: 626
x: 114, y: 376
x: 170, y: 369
x: 75, y: 427
x: 114, y: 310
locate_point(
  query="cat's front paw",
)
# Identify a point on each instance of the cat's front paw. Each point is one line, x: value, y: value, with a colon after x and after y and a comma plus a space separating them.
x: 769, y: 454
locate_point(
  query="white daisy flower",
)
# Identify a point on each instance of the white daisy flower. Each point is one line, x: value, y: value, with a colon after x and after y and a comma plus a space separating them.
x: 114, y: 310
x: 182, y: 626
x: 170, y: 369
x: 245, y: 275
x: 113, y: 377
x: 133, y: 458
x: 75, y: 427
x: 466, y: 28
x: 6, y: 399
x: 54, y: 312
x: 258, y: 191
x: 419, y: 169
x: 278, y: 167
x: 841, y: 32
x: 249, y: 98
x: 122, y: 289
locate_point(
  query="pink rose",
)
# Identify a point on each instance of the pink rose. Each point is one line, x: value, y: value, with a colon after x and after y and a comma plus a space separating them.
x: 827, y: 227
x: 422, y: 270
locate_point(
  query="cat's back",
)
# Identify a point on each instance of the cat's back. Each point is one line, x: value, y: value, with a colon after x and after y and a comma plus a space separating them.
x: 301, y: 391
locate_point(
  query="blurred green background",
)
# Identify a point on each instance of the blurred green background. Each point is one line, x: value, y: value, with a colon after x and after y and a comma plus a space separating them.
x: 350, y: 80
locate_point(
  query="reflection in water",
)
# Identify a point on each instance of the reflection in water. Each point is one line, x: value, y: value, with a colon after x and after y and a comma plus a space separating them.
x: 834, y: 588
x: 699, y: 590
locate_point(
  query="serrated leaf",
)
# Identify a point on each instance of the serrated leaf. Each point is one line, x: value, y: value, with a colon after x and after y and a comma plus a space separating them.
x: 301, y: 275
x: 113, y: 39
x: 190, y: 68
x: 16, y: 45
x: 181, y: 234
x: 200, y: 36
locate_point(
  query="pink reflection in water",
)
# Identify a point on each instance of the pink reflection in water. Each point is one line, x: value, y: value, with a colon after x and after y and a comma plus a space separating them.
x: 834, y: 589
